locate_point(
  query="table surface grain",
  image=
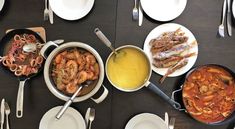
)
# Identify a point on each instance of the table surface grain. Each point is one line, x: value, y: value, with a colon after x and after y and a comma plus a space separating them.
x: 114, y: 18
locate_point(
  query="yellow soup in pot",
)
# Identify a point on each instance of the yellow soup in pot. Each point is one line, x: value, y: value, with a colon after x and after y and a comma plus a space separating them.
x: 128, y: 70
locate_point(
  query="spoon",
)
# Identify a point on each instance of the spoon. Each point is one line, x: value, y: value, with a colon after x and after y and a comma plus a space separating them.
x: 70, y: 101
x: 105, y: 40
x: 31, y: 47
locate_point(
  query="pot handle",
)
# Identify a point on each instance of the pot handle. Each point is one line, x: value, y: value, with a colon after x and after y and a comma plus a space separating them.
x: 173, y: 97
x: 46, y: 47
x: 159, y: 92
x: 20, y: 99
x: 102, y: 96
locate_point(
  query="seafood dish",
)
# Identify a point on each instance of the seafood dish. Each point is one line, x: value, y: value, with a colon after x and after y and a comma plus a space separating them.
x: 169, y: 49
x: 209, y: 94
x: 72, y: 68
x: 20, y: 62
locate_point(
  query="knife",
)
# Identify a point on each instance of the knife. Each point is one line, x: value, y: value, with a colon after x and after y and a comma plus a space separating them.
x: 51, y: 15
x: 229, y: 18
x: 2, y: 112
x: 140, y: 15
x: 166, y: 119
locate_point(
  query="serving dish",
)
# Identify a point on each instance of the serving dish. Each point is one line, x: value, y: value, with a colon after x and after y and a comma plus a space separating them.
x: 179, y: 95
x: 48, y: 67
x: 7, y: 46
x: 170, y: 27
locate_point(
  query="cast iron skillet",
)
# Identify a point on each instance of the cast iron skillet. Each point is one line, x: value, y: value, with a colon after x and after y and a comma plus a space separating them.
x: 177, y: 96
x: 5, y: 43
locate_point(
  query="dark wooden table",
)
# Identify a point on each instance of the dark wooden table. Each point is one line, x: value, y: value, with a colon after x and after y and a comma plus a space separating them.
x: 114, y: 18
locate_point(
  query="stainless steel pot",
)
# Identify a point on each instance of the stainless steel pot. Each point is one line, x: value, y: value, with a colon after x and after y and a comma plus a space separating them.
x: 48, y: 79
x: 147, y: 83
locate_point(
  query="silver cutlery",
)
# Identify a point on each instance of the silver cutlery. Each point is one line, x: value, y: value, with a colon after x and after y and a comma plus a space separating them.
x: 221, y: 26
x: 166, y: 119
x: 51, y: 15
x: 67, y: 104
x: 91, y: 117
x: 229, y: 18
x: 140, y: 15
x: 88, y: 111
x: 135, y: 11
x: 172, y: 123
x: 46, y: 11
x: 70, y: 101
x: 7, y: 112
x: 2, y: 112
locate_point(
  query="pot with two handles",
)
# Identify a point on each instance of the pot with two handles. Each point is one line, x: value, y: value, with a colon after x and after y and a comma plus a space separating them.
x: 50, y: 50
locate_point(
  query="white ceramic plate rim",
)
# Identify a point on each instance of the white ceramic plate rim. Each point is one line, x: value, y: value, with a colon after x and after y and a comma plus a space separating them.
x: 52, y: 112
x: 143, y: 117
x: 69, y: 14
x: 161, y: 12
x: 2, y: 2
x: 233, y: 8
x: 165, y: 28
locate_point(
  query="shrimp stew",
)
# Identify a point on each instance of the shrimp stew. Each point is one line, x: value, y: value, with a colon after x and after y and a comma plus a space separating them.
x: 209, y: 94
x: 73, y: 67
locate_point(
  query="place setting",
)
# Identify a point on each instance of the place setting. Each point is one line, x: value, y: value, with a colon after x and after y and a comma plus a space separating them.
x: 154, y: 9
x: 67, y: 10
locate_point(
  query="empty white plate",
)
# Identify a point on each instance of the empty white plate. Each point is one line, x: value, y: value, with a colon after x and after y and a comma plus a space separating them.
x: 233, y: 8
x: 167, y: 28
x: 146, y: 121
x: 1, y: 4
x: 71, y: 9
x: 163, y: 10
x: 71, y: 119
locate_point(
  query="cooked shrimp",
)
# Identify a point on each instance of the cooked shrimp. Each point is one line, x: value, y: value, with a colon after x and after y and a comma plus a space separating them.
x: 82, y: 77
x: 58, y: 58
x: 76, y: 53
x: 70, y: 56
x: 71, y: 88
x: 90, y: 59
x: 81, y: 62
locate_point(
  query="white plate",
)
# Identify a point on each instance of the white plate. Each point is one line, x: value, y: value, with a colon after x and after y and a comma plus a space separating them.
x: 146, y: 121
x: 233, y: 8
x: 166, y: 28
x: 1, y: 4
x: 163, y: 10
x: 71, y: 9
x: 71, y: 119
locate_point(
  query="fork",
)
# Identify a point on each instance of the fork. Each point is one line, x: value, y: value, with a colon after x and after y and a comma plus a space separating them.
x: 46, y: 11
x: 135, y: 13
x: 221, y: 26
x: 172, y: 123
x: 91, y: 117
x: 7, y: 112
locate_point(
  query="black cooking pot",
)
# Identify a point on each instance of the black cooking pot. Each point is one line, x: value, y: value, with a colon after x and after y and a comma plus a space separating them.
x: 178, y: 97
x: 5, y: 45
